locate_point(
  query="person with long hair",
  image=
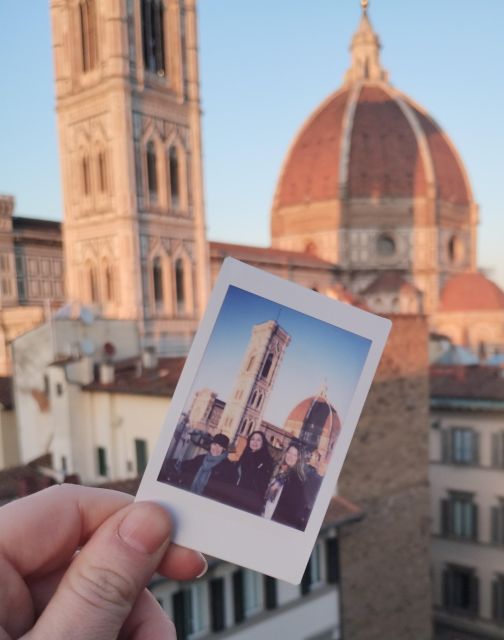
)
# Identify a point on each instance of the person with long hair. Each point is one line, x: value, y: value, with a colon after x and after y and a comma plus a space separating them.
x: 285, y: 498
x: 254, y: 468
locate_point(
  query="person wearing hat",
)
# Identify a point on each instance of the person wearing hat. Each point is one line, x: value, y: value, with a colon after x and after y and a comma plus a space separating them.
x: 210, y: 474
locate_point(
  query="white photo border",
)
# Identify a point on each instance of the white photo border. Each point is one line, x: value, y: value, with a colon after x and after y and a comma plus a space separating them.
x: 222, y: 531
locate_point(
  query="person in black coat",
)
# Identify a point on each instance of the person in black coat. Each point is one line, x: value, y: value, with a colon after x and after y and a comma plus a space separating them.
x: 286, y: 499
x: 210, y: 474
x: 254, y: 469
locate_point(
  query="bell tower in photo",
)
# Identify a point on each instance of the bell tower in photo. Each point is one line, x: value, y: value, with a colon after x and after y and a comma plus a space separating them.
x: 128, y: 110
x: 255, y: 380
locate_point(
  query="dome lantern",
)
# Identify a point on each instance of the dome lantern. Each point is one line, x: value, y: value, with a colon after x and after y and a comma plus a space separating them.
x: 365, y: 51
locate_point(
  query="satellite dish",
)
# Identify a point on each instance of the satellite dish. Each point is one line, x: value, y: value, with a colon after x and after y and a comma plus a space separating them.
x: 86, y: 315
x: 87, y: 347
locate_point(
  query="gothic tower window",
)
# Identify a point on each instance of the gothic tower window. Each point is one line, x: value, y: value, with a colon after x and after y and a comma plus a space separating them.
x: 385, y: 245
x: 89, y: 36
x: 174, y: 176
x: 153, y: 36
x: 86, y: 176
x: 250, y: 363
x: 109, y: 281
x: 157, y: 279
x: 179, y: 286
x: 152, y: 171
x: 102, y: 172
x: 92, y: 283
x: 253, y: 399
x: 267, y: 366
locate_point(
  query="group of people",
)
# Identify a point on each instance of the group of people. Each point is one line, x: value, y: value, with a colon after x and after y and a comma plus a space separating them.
x: 253, y: 483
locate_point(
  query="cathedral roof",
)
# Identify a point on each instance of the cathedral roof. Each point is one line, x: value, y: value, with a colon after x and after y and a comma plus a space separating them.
x: 471, y: 292
x: 369, y: 140
x: 301, y: 410
x: 389, y: 282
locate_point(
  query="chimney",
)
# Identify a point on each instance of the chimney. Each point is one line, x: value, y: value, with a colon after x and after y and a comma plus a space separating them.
x: 106, y: 373
x: 149, y: 357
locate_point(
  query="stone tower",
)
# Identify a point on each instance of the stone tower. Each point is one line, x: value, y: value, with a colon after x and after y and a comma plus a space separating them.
x: 128, y: 108
x: 255, y: 380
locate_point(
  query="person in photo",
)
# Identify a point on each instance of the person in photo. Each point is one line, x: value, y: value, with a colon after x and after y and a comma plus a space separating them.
x: 210, y: 474
x: 285, y: 498
x: 254, y: 470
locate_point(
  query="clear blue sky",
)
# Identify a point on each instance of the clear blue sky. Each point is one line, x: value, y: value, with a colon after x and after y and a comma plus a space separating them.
x: 318, y: 353
x: 265, y: 65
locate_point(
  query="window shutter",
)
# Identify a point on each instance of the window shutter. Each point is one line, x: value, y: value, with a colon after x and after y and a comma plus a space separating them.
x: 496, y: 449
x: 475, y: 521
x: 270, y: 592
x: 306, y: 579
x: 332, y: 560
x: 217, y: 604
x: 475, y: 447
x: 494, y: 525
x: 179, y: 614
x: 238, y: 596
x: 445, y: 517
x: 446, y: 438
x: 474, y: 586
x: 495, y: 600
x: 447, y: 599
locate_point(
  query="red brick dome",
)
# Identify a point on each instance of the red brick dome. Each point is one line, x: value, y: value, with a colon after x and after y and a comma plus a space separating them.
x: 471, y: 292
x: 369, y: 140
x: 302, y: 410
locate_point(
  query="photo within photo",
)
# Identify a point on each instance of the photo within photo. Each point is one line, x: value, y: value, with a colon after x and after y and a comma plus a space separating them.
x: 265, y: 410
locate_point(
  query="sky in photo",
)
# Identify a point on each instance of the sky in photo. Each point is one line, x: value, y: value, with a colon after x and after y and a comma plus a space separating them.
x: 319, y: 353
x: 264, y: 67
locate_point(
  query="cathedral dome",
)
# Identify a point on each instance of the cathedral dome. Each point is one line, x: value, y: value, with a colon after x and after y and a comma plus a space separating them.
x: 369, y: 140
x: 471, y: 292
x: 367, y: 168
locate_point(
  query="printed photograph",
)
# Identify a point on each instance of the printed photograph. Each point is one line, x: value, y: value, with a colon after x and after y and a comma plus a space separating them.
x: 265, y: 410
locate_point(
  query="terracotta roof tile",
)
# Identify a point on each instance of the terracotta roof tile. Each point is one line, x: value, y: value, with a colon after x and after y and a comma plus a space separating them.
x: 471, y: 292
x: 129, y: 378
x: 450, y: 181
x: 389, y: 281
x: 267, y: 254
x: 384, y: 155
x: 311, y: 171
x: 477, y: 382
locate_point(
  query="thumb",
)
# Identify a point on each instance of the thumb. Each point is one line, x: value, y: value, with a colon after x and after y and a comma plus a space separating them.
x: 100, y: 587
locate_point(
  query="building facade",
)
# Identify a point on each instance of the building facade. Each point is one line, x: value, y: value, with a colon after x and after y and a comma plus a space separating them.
x: 467, y: 494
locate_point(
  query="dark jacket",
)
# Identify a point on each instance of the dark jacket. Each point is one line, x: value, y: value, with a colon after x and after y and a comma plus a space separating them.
x: 292, y: 508
x: 254, y: 472
x: 222, y: 477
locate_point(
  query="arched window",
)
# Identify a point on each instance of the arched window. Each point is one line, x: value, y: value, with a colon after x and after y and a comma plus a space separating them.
x: 102, y: 172
x: 109, y: 282
x: 86, y: 176
x: 179, y: 286
x: 157, y: 280
x: 92, y: 283
x: 89, y: 36
x: 259, y: 400
x: 174, y: 176
x: 253, y: 398
x: 243, y: 425
x: 267, y: 366
x: 152, y: 170
x: 153, y: 36
x: 385, y: 245
x: 250, y: 363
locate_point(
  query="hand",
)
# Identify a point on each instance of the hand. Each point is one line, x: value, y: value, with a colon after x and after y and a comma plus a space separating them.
x: 49, y: 591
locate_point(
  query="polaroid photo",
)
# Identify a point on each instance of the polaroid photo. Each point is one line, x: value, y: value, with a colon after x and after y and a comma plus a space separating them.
x: 261, y: 420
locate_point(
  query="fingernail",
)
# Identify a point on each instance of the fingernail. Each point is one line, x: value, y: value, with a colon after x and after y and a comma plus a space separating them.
x: 145, y: 528
x: 205, y: 567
